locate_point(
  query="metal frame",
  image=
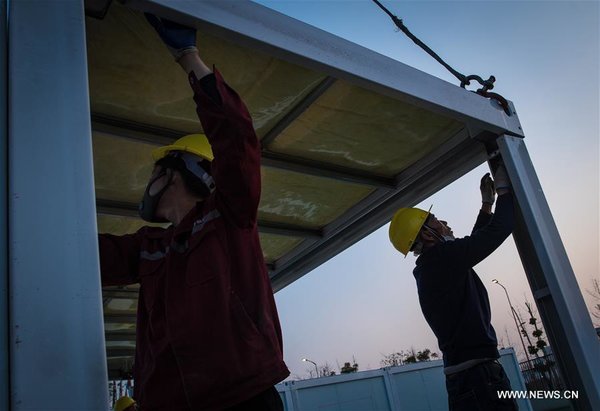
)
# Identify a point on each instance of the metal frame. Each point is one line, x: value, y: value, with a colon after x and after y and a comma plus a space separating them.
x: 551, y: 278
x: 56, y: 298
x: 121, y: 352
x: 4, y: 356
x: 128, y: 335
x: 418, y: 182
x: 162, y: 136
x: 123, y: 209
x: 374, y: 211
x: 258, y: 27
x: 300, y: 108
x: 319, y: 245
x: 57, y: 350
x: 314, y: 168
x: 558, y: 297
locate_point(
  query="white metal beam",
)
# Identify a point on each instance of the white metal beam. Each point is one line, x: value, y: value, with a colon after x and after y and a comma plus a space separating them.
x: 57, y: 350
x: 416, y: 183
x: 4, y: 359
x: 553, y: 284
x: 255, y: 26
x: 142, y: 132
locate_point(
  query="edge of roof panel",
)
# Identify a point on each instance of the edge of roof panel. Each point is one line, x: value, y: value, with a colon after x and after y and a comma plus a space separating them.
x: 255, y: 26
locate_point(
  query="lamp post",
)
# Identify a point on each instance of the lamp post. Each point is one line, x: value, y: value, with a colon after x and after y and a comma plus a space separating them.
x: 315, y: 364
x: 515, y: 316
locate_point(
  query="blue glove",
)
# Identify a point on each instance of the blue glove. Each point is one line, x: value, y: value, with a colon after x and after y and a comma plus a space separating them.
x: 179, y: 39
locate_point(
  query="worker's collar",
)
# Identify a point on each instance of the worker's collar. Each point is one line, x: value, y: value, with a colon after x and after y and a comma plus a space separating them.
x: 185, y: 226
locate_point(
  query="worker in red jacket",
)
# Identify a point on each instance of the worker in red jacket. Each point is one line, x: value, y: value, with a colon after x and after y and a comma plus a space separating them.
x: 208, y: 334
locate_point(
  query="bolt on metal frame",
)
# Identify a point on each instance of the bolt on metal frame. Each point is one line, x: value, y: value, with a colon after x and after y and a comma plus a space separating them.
x: 551, y: 278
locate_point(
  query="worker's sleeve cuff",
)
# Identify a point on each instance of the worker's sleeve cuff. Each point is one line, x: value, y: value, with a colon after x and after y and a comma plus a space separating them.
x: 208, y: 84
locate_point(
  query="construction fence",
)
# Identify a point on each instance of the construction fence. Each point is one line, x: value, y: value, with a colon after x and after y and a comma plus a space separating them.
x: 415, y: 387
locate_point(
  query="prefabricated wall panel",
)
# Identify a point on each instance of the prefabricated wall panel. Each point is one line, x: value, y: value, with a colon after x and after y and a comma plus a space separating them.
x: 341, y: 151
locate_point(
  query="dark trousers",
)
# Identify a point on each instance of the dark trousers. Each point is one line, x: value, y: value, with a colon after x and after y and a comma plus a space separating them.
x: 477, y: 389
x: 268, y: 400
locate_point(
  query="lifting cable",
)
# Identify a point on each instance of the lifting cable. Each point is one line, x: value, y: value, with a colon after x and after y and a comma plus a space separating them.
x: 464, y: 80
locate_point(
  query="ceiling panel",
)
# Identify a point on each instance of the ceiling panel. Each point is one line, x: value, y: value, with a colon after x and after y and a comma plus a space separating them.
x: 122, y: 326
x: 276, y: 246
x: 304, y: 200
x: 133, y: 77
x: 120, y: 305
x: 119, y: 225
x: 122, y: 167
x: 356, y: 128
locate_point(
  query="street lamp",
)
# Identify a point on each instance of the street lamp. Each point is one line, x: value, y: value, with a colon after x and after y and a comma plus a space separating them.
x: 314, y: 363
x: 514, y: 315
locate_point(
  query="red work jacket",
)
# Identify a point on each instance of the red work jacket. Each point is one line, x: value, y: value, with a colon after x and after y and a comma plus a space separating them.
x: 208, y: 334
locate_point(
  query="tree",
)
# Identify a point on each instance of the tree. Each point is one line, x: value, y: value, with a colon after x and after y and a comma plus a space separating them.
x: 424, y: 355
x: 595, y: 293
x: 410, y: 357
x: 524, y: 333
x: 537, y: 333
x: 407, y: 357
x: 347, y: 368
x: 392, y: 360
x: 325, y: 370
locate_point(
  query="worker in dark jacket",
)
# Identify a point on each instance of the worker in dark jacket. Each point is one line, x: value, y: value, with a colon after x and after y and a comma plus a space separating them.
x: 208, y: 334
x: 453, y: 299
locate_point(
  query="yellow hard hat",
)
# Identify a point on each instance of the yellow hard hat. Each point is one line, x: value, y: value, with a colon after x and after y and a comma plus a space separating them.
x: 405, y: 227
x: 193, y: 143
x: 123, y: 403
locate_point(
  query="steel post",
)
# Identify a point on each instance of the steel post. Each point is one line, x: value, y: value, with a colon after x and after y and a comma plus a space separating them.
x: 57, y: 350
x: 4, y: 361
x: 553, y: 284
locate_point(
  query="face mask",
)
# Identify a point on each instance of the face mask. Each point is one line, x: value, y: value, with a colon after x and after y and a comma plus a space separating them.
x: 442, y: 238
x: 149, y: 203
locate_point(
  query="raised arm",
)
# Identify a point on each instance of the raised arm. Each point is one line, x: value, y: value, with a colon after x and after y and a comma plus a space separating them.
x: 226, y: 123
x: 488, y: 196
x: 490, y: 230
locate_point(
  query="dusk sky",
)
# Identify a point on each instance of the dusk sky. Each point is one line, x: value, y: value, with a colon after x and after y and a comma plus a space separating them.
x: 545, y: 57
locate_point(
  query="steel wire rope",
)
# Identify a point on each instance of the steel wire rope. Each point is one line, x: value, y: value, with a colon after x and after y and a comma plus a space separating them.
x: 464, y: 80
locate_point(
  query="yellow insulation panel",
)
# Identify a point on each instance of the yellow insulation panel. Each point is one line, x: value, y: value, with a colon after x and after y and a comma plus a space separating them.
x: 117, y: 225
x: 304, y: 200
x: 122, y: 167
x: 121, y: 306
x: 118, y: 326
x: 276, y: 246
x: 133, y: 77
x: 134, y: 80
x: 355, y: 128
